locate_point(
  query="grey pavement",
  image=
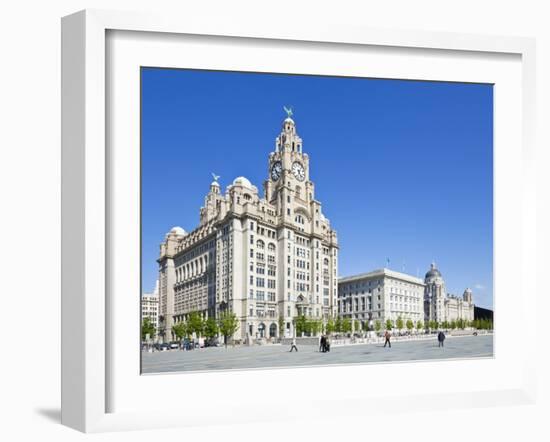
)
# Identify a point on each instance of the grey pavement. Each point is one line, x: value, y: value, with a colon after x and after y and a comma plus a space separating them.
x: 268, y: 356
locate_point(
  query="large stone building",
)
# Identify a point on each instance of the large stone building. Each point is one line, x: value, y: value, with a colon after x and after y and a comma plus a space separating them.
x: 441, y: 306
x: 261, y: 257
x: 381, y: 295
x: 150, y: 307
x: 387, y: 294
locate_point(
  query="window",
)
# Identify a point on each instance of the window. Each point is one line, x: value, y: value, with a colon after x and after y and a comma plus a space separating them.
x: 260, y: 244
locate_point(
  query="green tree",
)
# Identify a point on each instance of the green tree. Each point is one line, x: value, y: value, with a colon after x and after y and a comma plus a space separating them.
x: 315, y: 326
x: 366, y: 326
x: 389, y: 324
x: 419, y: 325
x: 453, y: 324
x: 338, y: 325
x: 180, y: 330
x: 436, y: 325
x: 281, y: 324
x: 356, y: 325
x: 301, y: 325
x: 399, y: 323
x: 211, y: 328
x: 228, y: 324
x: 147, y: 328
x: 445, y: 324
x: 410, y: 325
x: 377, y: 325
x: 346, y: 325
x: 196, y: 324
x: 330, y: 327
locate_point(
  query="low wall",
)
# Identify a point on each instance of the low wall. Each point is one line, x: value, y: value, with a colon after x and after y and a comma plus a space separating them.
x: 306, y: 340
x: 373, y: 339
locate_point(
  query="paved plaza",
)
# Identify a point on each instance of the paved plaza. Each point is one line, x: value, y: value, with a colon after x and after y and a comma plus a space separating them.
x: 220, y: 358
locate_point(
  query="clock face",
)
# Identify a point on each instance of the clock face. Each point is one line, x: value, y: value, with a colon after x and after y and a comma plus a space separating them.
x: 276, y: 170
x: 298, y: 171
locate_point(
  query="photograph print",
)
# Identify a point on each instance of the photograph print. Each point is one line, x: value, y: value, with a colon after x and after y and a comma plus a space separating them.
x: 303, y: 220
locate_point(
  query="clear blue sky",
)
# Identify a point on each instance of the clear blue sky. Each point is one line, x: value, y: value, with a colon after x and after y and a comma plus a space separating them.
x: 403, y: 168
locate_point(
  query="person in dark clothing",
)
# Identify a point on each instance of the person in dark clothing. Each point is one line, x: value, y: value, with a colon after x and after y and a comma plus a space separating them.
x: 440, y: 338
x: 323, y: 344
x: 387, y: 337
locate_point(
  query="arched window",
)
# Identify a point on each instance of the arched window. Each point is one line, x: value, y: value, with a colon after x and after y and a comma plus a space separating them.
x: 247, y: 197
x: 271, y: 247
x: 260, y: 244
x: 272, y: 330
x: 325, y: 261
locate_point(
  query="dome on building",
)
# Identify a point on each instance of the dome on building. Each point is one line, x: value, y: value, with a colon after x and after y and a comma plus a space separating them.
x: 433, y: 272
x: 468, y: 290
x: 215, y: 183
x: 242, y: 181
x: 178, y: 231
x: 289, y: 120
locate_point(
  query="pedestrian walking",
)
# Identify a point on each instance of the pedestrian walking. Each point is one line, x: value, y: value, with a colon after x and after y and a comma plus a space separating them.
x: 323, y: 344
x: 387, y: 337
x: 440, y: 338
x: 293, y: 346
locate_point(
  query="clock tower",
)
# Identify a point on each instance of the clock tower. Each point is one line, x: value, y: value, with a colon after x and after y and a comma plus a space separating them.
x: 288, y: 170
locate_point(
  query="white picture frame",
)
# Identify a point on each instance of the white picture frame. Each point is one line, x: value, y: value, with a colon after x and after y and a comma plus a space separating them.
x: 87, y: 316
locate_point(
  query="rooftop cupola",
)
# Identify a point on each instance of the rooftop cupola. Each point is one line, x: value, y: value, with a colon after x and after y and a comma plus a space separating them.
x: 288, y: 140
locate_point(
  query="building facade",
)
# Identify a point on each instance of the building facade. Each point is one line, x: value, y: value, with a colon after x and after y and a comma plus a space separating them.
x: 381, y: 295
x: 268, y: 258
x: 441, y: 306
x: 150, y: 307
x: 386, y: 294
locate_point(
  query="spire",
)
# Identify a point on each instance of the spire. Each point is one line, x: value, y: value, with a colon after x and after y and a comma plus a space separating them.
x: 288, y: 140
x: 214, y: 185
